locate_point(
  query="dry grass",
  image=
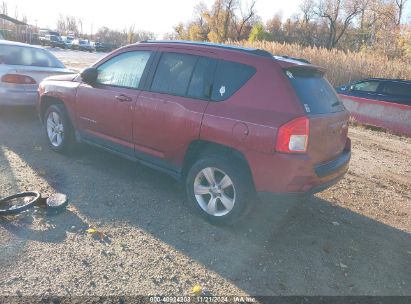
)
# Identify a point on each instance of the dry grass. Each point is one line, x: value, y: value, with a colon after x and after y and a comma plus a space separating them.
x: 342, y: 67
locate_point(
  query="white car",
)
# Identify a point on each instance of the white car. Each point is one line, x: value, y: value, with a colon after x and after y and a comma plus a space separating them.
x: 68, y: 41
x: 22, y: 68
x: 82, y: 45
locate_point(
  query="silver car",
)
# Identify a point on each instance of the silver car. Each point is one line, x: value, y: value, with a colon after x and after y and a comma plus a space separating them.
x: 22, y: 68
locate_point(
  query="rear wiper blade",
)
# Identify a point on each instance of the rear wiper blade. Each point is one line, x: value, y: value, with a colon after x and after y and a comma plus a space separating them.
x: 336, y: 103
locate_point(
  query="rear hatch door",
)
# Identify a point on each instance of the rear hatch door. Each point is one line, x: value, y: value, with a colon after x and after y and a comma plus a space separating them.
x: 328, y: 116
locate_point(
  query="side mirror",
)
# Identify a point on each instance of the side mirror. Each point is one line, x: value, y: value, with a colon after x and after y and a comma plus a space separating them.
x: 89, y: 76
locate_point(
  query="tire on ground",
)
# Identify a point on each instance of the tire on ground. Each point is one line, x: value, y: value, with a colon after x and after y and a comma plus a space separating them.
x: 68, y: 136
x: 240, y: 178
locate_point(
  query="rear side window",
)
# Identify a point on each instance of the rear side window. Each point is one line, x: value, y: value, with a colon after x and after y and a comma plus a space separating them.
x: 174, y: 73
x: 397, y: 89
x: 28, y: 56
x: 230, y: 77
x: 314, y: 91
x: 202, y: 79
x: 124, y: 70
x: 366, y: 86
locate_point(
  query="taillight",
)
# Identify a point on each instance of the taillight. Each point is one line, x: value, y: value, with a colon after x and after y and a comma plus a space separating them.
x: 17, y: 79
x: 293, y: 136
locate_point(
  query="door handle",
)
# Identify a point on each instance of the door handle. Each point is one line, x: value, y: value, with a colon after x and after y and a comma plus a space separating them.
x: 123, y: 98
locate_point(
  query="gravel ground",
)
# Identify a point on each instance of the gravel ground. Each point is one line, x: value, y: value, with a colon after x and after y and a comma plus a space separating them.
x: 353, y: 239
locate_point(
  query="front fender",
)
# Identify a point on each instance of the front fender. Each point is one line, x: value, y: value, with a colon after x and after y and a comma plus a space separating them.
x: 63, y: 92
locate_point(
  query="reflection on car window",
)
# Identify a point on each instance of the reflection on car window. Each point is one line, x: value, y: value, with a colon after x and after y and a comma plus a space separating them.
x: 173, y: 73
x: 230, y: 77
x: 19, y: 55
x: 397, y: 89
x: 202, y: 79
x: 366, y: 86
x: 315, y: 93
x: 124, y: 70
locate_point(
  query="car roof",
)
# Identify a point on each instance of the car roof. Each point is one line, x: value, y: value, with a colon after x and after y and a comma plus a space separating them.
x: 252, y: 51
x: 7, y: 42
x: 285, y: 61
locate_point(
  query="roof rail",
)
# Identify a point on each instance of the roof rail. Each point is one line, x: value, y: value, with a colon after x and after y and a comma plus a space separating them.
x: 257, y: 52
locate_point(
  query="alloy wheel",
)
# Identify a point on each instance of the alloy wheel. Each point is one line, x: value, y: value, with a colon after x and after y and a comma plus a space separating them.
x: 55, y: 129
x: 214, y: 191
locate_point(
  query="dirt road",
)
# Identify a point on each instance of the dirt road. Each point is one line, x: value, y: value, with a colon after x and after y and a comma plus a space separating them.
x: 353, y: 239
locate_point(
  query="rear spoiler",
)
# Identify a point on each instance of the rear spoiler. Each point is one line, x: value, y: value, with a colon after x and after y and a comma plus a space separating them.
x: 298, y: 64
x: 293, y: 58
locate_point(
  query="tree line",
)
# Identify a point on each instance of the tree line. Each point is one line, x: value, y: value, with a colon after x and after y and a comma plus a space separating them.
x: 74, y: 26
x: 350, y: 25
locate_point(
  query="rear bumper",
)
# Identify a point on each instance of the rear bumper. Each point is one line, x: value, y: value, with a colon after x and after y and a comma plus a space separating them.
x: 334, y: 166
x: 272, y: 196
x: 294, y: 176
x: 18, y: 98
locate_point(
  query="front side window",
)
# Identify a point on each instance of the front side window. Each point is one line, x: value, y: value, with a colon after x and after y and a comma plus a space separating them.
x: 366, y: 86
x: 173, y: 73
x: 124, y: 70
x: 230, y: 77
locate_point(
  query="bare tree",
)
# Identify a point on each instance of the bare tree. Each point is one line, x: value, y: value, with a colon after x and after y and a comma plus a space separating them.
x: 67, y: 24
x: 245, y: 18
x: 339, y: 15
x: 400, y: 7
x: 3, y: 8
x: 80, y: 22
x: 229, y: 6
x: 307, y: 10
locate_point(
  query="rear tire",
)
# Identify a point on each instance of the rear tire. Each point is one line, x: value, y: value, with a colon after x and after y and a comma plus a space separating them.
x: 219, y: 190
x: 58, y: 129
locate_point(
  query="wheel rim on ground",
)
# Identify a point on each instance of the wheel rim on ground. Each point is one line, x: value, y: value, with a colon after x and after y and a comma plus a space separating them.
x: 55, y: 129
x: 214, y: 191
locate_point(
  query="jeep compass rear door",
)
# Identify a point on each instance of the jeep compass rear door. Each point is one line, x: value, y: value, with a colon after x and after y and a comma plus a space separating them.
x: 169, y: 112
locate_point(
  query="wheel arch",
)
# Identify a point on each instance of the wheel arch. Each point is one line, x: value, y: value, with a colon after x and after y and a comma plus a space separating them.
x: 200, y: 148
x: 47, y: 101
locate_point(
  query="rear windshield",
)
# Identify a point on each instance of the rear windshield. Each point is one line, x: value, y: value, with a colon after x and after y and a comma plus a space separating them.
x: 316, y: 94
x: 28, y: 56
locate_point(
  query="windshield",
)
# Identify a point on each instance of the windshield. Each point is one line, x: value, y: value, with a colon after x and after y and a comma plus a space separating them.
x: 20, y: 55
x: 316, y: 94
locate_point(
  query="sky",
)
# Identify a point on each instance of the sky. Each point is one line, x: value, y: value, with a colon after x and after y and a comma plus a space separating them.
x: 158, y: 16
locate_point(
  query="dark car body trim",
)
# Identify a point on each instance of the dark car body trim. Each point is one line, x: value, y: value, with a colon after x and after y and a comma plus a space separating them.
x: 131, y: 154
x: 333, y: 166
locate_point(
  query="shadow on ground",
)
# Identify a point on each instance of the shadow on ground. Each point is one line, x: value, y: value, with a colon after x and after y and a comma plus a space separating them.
x: 282, y: 248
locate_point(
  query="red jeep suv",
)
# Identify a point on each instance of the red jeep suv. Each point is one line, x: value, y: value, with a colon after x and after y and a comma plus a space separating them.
x: 229, y: 121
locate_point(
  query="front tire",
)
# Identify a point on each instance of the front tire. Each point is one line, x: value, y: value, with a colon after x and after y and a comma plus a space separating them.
x: 58, y: 129
x: 218, y: 189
